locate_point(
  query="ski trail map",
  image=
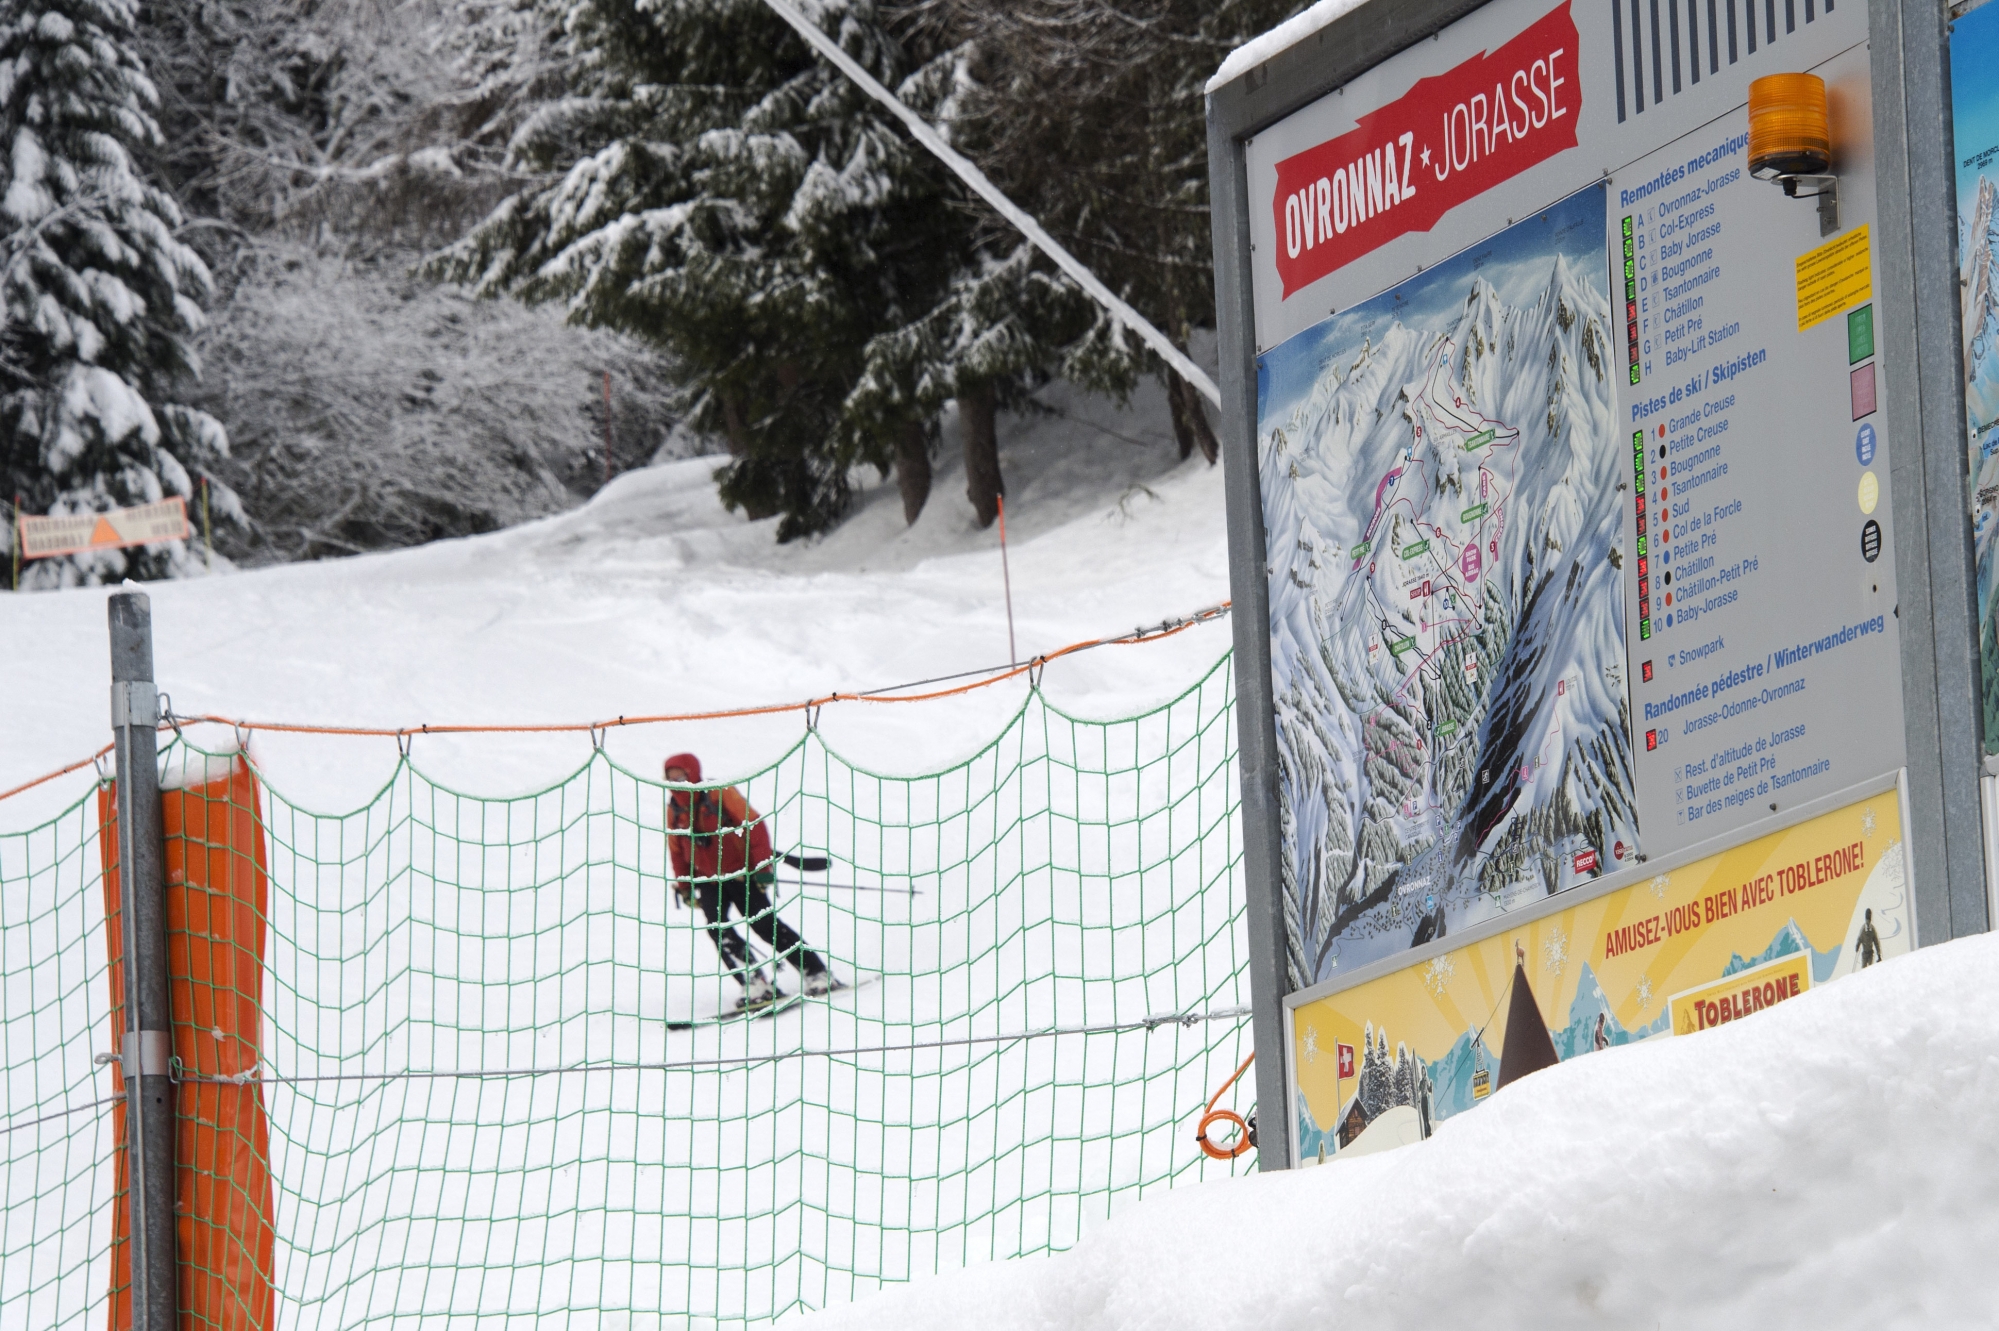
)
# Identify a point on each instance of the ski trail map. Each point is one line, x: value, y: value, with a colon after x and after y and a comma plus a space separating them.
x: 1974, y: 42
x: 1441, y: 479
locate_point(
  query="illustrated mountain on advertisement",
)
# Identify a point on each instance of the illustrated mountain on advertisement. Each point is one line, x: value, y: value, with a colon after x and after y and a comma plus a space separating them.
x: 1443, y: 511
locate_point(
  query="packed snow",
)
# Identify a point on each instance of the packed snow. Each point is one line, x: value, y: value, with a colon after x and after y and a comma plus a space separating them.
x: 1825, y: 1165
x: 649, y: 599
x: 653, y: 599
x: 1288, y: 33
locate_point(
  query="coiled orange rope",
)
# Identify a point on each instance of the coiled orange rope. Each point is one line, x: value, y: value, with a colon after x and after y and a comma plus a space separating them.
x: 1242, y: 1142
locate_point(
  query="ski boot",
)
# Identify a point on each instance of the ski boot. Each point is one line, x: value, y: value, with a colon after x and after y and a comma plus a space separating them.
x: 821, y: 982
x: 758, y: 992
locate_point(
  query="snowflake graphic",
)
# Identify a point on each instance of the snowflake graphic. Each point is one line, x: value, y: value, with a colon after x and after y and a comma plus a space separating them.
x: 1311, y: 1044
x: 1555, y: 952
x: 1867, y: 821
x: 1659, y: 886
x: 1438, y: 974
x: 1644, y: 992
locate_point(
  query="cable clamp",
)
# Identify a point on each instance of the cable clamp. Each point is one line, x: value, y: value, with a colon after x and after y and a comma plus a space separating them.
x: 812, y: 716
x: 403, y: 743
x: 148, y: 1054
x: 1034, y: 669
x: 135, y: 702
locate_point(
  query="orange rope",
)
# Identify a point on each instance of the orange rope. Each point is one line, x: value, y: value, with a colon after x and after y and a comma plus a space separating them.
x: 60, y: 771
x: 1242, y: 1142
x: 578, y: 727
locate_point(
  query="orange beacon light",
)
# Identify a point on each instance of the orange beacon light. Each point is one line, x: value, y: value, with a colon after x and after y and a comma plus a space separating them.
x: 1789, y: 130
x: 1790, y: 141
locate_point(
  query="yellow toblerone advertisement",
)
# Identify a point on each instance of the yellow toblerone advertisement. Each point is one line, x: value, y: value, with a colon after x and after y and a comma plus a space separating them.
x: 1713, y: 941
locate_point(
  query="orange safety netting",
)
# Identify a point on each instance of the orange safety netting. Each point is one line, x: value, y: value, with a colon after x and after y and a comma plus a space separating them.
x: 217, y: 893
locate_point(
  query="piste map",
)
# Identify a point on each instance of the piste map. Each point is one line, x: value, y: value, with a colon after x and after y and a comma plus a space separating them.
x: 1440, y: 479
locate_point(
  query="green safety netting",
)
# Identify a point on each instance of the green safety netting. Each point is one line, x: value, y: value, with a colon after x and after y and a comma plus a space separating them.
x: 500, y: 1081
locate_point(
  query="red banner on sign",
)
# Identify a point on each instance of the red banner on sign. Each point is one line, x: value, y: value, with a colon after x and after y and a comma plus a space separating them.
x: 1445, y: 141
x: 1346, y: 1060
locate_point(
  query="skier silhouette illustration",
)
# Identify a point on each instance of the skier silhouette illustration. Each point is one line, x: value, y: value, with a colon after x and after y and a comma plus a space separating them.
x: 1869, y: 942
x: 1602, y: 1037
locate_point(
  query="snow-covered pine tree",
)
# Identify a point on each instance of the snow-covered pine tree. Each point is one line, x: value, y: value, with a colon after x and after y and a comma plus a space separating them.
x: 1088, y: 115
x: 100, y: 296
x: 730, y: 198
x: 1006, y: 324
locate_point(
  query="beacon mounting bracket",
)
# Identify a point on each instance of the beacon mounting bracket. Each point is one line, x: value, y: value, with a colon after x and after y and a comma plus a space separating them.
x: 1823, y: 188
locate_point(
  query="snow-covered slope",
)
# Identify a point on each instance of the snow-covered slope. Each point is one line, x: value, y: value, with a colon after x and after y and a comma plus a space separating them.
x: 653, y: 599
x: 1825, y: 1165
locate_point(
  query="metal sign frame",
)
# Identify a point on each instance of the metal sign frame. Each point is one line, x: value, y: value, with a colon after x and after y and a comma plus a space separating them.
x: 1918, y: 314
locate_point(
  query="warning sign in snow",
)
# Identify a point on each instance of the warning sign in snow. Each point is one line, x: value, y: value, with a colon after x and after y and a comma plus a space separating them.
x: 68, y: 533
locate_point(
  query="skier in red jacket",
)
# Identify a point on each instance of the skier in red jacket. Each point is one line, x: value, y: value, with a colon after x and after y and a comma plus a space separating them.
x: 721, y: 859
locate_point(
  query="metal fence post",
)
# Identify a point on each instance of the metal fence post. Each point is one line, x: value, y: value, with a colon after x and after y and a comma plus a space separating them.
x: 148, y: 1038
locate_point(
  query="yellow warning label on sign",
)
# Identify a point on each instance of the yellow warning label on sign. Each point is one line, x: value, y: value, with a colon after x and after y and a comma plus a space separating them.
x: 1833, y: 277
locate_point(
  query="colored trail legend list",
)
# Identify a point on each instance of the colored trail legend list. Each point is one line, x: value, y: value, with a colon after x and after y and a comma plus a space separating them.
x: 1644, y: 556
x: 1631, y: 300
x: 1766, y: 611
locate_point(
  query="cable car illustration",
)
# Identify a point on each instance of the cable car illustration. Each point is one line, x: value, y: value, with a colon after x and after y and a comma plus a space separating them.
x: 1481, y: 1078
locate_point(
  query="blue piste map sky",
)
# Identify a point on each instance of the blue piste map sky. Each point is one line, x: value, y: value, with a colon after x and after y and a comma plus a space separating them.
x: 1974, y: 99
x: 1515, y: 261
x: 1974, y: 104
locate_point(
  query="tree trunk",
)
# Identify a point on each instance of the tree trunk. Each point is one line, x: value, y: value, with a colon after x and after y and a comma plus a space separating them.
x: 977, y: 405
x: 1190, y: 419
x: 733, y: 427
x: 912, y: 469
x: 755, y: 507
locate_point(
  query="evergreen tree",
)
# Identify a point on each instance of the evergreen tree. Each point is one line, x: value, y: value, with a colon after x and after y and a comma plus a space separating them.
x: 1007, y: 323
x: 1090, y: 116
x: 100, y: 295
x: 738, y: 203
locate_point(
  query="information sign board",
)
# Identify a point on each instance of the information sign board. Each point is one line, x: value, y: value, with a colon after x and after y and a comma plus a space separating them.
x: 1974, y: 90
x: 1586, y: 516
x: 1547, y: 382
x: 72, y: 533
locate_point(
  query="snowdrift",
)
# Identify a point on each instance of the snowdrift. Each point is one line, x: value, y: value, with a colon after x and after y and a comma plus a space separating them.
x: 1827, y: 1164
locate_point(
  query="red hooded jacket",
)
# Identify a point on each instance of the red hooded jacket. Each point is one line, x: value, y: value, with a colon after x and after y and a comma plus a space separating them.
x: 713, y: 833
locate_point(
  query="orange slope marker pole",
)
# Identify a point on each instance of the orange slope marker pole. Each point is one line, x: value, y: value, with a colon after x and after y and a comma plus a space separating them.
x: 1006, y: 575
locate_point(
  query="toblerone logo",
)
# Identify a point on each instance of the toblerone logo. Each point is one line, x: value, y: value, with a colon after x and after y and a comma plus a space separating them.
x: 1741, y: 994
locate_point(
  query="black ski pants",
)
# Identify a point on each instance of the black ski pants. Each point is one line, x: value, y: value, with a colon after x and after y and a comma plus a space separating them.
x: 747, y: 898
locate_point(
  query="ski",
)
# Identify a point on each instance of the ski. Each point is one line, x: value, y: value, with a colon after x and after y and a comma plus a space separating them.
x: 781, y: 1003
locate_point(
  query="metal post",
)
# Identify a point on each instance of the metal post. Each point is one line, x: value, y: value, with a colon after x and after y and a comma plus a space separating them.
x: 148, y: 1039
x: 1256, y: 717
x: 1936, y: 585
